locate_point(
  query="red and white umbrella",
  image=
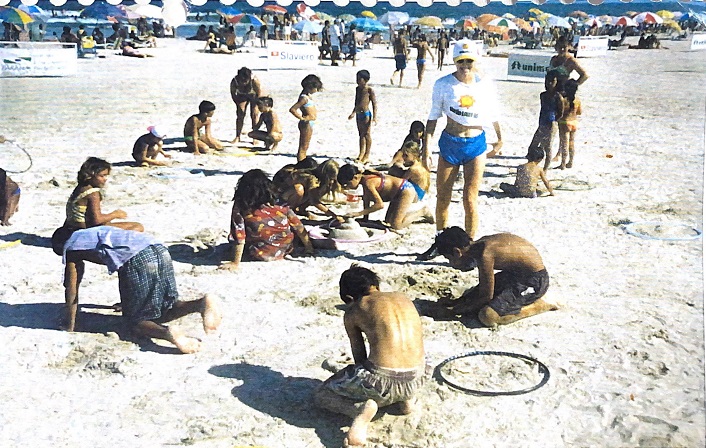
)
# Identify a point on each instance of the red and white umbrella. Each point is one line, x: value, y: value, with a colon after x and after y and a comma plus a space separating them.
x: 624, y: 21
x: 277, y: 9
x: 648, y: 17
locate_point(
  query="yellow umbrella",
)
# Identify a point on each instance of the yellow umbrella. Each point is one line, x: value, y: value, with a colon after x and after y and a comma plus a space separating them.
x: 522, y: 24
x: 368, y: 14
x: 673, y: 25
x: 665, y: 14
x: 535, y: 11
x: 430, y: 21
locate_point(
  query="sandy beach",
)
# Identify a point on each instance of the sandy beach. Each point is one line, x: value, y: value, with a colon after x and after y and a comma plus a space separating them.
x: 625, y: 351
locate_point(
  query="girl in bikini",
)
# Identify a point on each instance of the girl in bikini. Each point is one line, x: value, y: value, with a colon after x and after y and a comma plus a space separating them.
x: 83, y: 208
x: 305, y: 111
x: 568, y: 123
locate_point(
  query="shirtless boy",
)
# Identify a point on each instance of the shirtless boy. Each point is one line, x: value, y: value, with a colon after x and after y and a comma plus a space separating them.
x: 148, y: 146
x: 148, y: 293
x: 364, y: 118
x: 197, y: 141
x: 510, y: 295
x: 394, y: 368
x: 272, y: 134
x: 399, y: 46
x: 422, y: 49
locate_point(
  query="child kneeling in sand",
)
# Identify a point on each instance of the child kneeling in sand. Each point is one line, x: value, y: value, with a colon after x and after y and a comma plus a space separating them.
x: 148, y: 146
x: 260, y: 229
x: 196, y: 141
x: 391, y: 371
x: 528, y: 176
x: 272, y: 134
x: 148, y: 293
x: 510, y: 295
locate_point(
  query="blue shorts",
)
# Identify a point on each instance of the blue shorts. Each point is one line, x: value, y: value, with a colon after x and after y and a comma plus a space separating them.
x: 400, y: 62
x: 461, y: 150
x: 363, y: 115
x: 421, y: 61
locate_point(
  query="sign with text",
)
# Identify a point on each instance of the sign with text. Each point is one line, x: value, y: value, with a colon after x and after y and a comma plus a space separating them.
x: 698, y: 41
x: 292, y: 54
x: 592, y: 46
x: 525, y: 65
x: 24, y: 59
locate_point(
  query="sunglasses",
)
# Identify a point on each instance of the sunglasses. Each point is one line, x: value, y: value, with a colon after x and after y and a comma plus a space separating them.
x: 465, y: 61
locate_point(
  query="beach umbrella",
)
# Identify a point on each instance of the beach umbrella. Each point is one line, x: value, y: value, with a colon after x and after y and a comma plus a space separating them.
x: 624, y: 21
x: 558, y: 22
x: 485, y: 18
x: 430, y: 21
x: 648, y: 17
x: 247, y: 19
x: 150, y: 11
x: 346, y: 17
x: 304, y: 11
x: 507, y: 15
x: 368, y: 14
x: 673, y: 25
x: 308, y: 26
x: 13, y: 15
x: 394, y: 18
x: 368, y: 24
x: 229, y: 11
x: 502, y: 22
x: 631, y: 14
x: 323, y: 16
x: 536, y: 11
x: 522, y: 24
x: 466, y: 24
x: 604, y: 19
x: 35, y: 11
x: 129, y: 13
x: 578, y: 14
x: 665, y: 14
x: 102, y: 11
x: 277, y: 9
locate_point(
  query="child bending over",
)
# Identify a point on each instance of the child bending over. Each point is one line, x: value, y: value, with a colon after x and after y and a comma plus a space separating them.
x: 196, y: 141
x: 260, y: 229
x: 528, y: 176
x: 364, y: 118
x: 272, y: 134
x: 148, y: 146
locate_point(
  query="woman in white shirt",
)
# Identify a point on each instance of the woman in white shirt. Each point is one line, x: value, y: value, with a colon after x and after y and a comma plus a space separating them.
x: 470, y: 104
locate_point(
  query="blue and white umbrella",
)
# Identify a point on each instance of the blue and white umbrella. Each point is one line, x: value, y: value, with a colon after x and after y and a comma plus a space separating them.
x: 394, y: 18
x: 368, y: 24
x: 308, y: 26
x: 35, y: 11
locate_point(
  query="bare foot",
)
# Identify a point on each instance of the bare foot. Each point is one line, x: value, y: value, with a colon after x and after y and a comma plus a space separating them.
x: 407, y: 407
x: 235, y: 140
x: 427, y: 216
x: 185, y: 344
x: 392, y: 81
x: 569, y: 165
x: 358, y: 433
x: 211, y: 313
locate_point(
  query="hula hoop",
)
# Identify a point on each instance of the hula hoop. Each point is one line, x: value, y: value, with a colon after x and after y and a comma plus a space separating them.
x: 10, y: 244
x: 631, y: 230
x: 26, y: 153
x: 543, y: 369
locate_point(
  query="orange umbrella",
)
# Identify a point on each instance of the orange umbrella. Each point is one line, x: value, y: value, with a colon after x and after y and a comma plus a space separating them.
x: 483, y: 20
x: 522, y: 24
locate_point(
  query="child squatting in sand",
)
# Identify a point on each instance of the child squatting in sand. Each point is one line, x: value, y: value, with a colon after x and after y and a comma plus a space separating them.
x: 528, y: 176
x: 196, y: 141
x: 272, y: 134
x: 148, y: 146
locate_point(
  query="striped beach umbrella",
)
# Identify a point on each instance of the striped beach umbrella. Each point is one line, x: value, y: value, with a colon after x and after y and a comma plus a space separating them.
x: 13, y: 15
x: 246, y: 19
x: 503, y: 22
x: 624, y: 21
x: 648, y: 17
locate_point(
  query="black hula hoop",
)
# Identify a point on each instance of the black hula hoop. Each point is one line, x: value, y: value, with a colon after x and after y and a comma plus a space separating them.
x: 26, y: 153
x: 543, y: 369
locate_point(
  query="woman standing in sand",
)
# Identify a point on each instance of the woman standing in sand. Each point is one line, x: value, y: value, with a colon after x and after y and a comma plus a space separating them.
x: 245, y: 89
x: 565, y: 64
x: 469, y: 103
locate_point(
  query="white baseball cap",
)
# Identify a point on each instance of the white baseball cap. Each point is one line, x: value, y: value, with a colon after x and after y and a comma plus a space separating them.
x: 154, y: 130
x: 464, y: 49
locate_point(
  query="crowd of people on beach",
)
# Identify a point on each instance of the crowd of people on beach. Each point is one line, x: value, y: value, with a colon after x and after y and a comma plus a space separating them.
x: 268, y: 215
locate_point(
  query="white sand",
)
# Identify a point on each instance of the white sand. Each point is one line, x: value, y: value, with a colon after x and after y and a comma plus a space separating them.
x: 625, y: 353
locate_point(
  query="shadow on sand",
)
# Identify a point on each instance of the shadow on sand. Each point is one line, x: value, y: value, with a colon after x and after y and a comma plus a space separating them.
x: 28, y: 239
x: 285, y: 397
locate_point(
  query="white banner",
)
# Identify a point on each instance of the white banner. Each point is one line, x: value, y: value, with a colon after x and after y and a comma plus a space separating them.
x: 591, y: 46
x: 698, y: 41
x: 528, y: 65
x: 19, y: 59
x: 292, y: 54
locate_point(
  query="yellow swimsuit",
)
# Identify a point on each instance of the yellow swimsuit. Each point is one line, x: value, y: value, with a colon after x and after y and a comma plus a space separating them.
x: 75, y: 213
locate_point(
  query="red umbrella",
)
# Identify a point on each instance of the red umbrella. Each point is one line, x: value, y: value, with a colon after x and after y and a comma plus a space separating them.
x: 277, y: 9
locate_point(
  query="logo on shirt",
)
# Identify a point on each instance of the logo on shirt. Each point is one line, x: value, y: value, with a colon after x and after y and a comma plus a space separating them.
x: 466, y: 101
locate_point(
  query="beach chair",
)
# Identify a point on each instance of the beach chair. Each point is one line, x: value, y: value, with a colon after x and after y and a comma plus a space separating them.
x: 87, y: 47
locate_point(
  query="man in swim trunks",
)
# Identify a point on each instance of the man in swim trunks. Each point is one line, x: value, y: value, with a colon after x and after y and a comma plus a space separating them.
x: 510, y: 295
x: 148, y: 294
x: 392, y: 371
x: 422, y: 49
x: 399, y: 46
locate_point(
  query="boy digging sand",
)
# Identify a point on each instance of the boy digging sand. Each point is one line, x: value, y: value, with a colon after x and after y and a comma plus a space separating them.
x: 528, y: 176
x: 196, y: 141
x: 392, y: 371
x: 364, y: 97
x: 273, y: 129
x: 148, y: 146
x: 510, y: 295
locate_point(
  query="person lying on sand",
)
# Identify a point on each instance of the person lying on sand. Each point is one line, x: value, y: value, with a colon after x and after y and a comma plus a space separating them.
x: 129, y: 50
x: 148, y: 146
x: 510, y: 295
x: 392, y: 371
x: 196, y: 141
x: 148, y: 293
